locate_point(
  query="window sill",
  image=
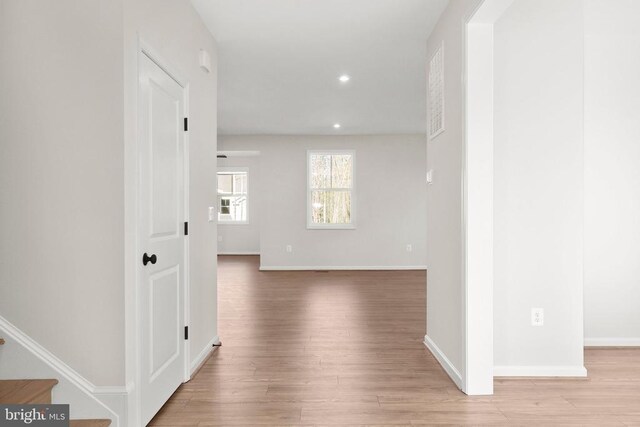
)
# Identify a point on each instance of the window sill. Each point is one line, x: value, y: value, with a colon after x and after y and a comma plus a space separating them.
x: 331, y: 227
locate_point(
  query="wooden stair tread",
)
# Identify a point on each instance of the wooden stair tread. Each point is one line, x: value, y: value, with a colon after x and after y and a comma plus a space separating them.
x: 26, y: 391
x: 90, y: 423
x: 1, y: 341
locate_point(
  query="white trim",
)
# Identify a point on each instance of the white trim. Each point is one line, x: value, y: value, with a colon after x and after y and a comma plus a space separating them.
x: 243, y: 153
x: 477, y: 282
x: 352, y: 191
x: 206, y: 351
x: 131, y: 247
x: 444, y: 361
x: 540, y: 371
x: 612, y: 342
x: 490, y: 11
x: 238, y: 253
x: 232, y: 169
x: 64, y: 370
x: 159, y: 60
x: 114, y: 390
x: 342, y: 267
x: 477, y: 207
x: 186, y: 211
x: 334, y: 226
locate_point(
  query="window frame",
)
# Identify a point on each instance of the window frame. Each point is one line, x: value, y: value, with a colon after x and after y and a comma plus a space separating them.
x: 229, y: 170
x: 350, y: 226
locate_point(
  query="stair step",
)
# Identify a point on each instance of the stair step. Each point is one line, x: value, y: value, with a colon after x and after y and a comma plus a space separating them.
x: 26, y: 391
x: 89, y: 423
x: 1, y: 341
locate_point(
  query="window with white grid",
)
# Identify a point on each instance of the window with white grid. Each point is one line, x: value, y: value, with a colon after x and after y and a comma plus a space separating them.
x: 233, y: 193
x: 330, y: 189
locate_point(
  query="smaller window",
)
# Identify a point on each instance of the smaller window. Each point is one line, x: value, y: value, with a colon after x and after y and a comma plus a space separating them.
x: 330, y: 189
x: 233, y: 196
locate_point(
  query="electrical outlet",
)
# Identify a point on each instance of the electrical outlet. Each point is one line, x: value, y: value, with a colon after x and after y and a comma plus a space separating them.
x: 409, y: 248
x: 537, y: 316
x: 289, y: 248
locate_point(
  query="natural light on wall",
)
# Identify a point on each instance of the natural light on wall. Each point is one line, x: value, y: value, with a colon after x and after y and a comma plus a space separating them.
x: 330, y: 189
x: 232, y: 196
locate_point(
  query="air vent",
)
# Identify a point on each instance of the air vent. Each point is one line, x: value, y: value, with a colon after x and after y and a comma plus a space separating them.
x: 436, y: 93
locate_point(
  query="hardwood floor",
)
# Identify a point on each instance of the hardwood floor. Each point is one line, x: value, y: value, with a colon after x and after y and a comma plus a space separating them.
x: 345, y: 348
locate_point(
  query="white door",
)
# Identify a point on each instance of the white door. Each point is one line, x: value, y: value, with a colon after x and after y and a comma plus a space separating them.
x: 161, y: 236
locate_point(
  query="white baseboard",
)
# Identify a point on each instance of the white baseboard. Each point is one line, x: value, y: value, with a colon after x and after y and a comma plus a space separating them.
x: 612, y: 342
x: 444, y: 361
x: 238, y: 253
x: 97, y: 394
x: 342, y: 268
x: 539, y: 371
x: 202, y: 356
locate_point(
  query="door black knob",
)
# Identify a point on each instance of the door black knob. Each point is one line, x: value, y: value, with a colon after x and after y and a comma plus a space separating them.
x: 146, y: 259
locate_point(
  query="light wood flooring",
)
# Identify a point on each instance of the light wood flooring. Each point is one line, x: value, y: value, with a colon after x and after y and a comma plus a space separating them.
x: 345, y: 348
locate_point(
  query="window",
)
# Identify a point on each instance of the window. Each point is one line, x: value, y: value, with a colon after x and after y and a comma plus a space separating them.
x: 232, y: 196
x: 330, y: 192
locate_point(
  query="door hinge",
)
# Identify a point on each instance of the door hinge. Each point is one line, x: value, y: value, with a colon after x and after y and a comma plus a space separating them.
x: 186, y: 332
x: 186, y: 124
x: 186, y: 228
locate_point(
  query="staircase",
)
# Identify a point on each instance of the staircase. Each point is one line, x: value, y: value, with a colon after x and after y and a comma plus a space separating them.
x: 24, y: 392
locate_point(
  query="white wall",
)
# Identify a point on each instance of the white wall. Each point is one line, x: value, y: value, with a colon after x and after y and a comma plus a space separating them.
x: 61, y: 174
x: 176, y: 32
x: 612, y: 175
x: 243, y: 238
x: 445, y: 297
x: 390, y: 185
x: 538, y: 207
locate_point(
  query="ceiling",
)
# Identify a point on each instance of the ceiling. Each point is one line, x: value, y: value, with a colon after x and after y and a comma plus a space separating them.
x: 279, y: 63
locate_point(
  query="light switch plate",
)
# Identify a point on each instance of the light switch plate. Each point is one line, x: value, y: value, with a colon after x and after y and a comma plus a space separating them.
x: 212, y: 213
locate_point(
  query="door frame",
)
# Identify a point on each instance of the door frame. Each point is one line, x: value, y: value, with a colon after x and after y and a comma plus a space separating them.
x: 133, y: 321
x: 477, y: 215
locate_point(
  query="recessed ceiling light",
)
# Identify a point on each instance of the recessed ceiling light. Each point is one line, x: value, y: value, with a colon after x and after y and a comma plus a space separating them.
x: 336, y: 126
x: 344, y: 78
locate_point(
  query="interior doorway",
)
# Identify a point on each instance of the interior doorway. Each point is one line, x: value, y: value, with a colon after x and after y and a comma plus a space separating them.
x: 239, y: 198
x: 162, y: 286
x: 478, y: 198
